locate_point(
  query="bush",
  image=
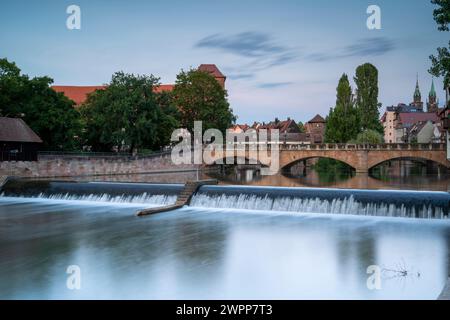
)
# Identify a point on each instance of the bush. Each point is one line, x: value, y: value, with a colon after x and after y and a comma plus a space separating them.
x: 368, y: 137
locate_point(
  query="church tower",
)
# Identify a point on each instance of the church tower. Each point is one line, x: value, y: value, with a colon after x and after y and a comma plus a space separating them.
x: 432, y: 104
x: 418, y: 104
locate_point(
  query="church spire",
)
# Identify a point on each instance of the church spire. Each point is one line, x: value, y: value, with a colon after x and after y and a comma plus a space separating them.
x: 417, y: 95
x: 432, y: 93
x: 432, y: 104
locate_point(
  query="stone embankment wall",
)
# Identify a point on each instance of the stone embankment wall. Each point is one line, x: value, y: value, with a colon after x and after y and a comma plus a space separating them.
x: 66, y: 166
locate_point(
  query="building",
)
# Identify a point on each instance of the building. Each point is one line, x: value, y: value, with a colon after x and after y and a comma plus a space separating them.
x: 404, y: 122
x: 425, y: 132
x: 79, y: 94
x: 17, y: 141
x: 398, y: 120
x: 239, y: 128
x: 289, y: 131
x: 387, y: 121
x: 315, y: 128
x: 215, y: 72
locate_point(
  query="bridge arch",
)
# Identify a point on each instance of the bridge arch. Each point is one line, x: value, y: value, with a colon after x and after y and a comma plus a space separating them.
x: 289, y: 158
x: 294, y: 162
x: 372, y: 163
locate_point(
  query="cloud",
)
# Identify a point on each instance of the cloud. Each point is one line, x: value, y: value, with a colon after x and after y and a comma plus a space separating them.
x: 253, y: 44
x: 368, y: 47
x: 258, y: 48
x: 237, y: 76
x: 274, y: 85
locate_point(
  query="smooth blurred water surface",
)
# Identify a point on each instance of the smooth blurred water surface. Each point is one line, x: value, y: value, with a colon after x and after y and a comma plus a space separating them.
x: 198, y: 253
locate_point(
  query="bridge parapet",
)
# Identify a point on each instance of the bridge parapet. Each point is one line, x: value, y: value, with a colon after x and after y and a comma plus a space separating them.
x: 348, y: 146
x: 340, y: 146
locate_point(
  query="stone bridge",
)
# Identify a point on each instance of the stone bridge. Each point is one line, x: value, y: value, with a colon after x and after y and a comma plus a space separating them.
x: 362, y: 157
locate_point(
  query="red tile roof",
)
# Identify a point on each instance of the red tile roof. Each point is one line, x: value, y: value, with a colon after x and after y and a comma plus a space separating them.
x: 317, y: 119
x: 409, y: 118
x: 77, y: 93
x: 164, y: 87
x: 212, y: 69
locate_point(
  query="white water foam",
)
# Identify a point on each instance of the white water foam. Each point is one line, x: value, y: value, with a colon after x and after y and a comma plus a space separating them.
x: 134, y: 199
x: 314, y: 205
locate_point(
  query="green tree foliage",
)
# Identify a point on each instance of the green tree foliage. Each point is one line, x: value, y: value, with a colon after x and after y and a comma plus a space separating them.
x: 128, y: 115
x: 201, y: 98
x: 368, y: 137
x: 441, y: 62
x: 331, y: 170
x: 442, y: 14
x: 366, y: 80
x: 50, y: 114
x: 343, y: 119
x: 301, y: 126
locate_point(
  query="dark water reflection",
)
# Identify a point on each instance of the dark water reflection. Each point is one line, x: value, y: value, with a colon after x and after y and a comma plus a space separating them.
x: 399, y: 175
x: 197, y: 253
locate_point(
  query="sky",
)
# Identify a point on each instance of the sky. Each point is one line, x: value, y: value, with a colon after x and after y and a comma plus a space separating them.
x: 282, y: 58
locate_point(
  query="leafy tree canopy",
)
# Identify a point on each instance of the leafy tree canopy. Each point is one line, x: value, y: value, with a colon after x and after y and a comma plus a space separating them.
x: 200, y: 97
x: 301, y: 126
x: 366, y: 80
x: 442, y: 14
x: 128, y: 115
x: 441, y: 63
x: 343, y: 120
x: 368, y: 137
x: 50, y: 114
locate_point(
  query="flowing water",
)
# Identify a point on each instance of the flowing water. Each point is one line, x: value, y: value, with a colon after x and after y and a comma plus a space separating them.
x: 231, y: 243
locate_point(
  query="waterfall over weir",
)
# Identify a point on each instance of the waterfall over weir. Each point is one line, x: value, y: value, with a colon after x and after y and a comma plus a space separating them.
x: 411, y: 204
x: 135, y: 193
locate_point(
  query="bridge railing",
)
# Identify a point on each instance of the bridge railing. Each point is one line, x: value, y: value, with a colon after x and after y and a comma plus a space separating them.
x: 345, y: 146
x: 348, y: 146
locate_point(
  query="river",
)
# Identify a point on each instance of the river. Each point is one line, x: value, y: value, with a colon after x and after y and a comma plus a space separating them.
x: 258, y: 241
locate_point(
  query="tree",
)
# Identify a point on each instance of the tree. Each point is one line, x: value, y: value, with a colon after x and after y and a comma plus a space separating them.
x: 301, y: 127
x: 441, y: 65
x: 343, y: 119
x: 200, y: 97
x: 128, y: 115
x: 442, y: 14
x: 50, y: 114
x: 366, y: 80
x: 441, y: 62
x: 368, y: 137
x: 169, y: 120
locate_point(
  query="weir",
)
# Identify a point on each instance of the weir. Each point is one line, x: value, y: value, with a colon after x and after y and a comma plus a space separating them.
x: 389, y: 203
x: 139, y: 193
x: 205, y: 194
